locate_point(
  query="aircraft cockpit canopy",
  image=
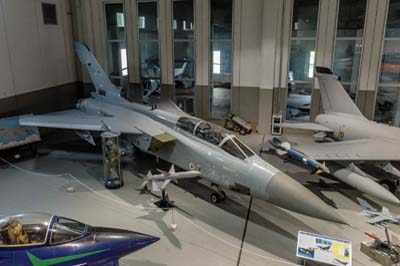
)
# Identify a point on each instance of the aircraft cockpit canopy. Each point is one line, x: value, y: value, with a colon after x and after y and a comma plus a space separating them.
x: 24, y: 229
x: 65, y: 230
x: 215, y: 135
x: 33, y: 229
x: 235, y: 147
x: 202, y: 129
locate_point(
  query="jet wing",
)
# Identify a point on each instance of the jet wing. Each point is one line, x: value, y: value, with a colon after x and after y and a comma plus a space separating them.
x: 376, y: 219
x: 77, y: 120
x: 305, y: 126
x: 149, y: 133
x: 352, y: 150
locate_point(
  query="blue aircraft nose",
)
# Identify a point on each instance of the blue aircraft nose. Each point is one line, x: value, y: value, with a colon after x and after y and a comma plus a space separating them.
x: 128, y: 240
x: 143, y: 241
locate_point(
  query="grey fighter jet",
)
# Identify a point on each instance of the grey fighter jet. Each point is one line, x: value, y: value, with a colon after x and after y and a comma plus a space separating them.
x: 356, y: 139
x: 185, y: 141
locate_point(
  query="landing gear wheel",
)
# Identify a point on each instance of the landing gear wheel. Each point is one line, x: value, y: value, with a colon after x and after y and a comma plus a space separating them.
x: 389, y: 185
x: 214, y: 197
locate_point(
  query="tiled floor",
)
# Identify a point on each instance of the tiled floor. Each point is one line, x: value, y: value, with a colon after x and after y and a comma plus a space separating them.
x: 207, y: 234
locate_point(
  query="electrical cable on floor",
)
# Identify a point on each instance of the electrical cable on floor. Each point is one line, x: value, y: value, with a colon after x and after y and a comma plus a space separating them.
x: 245, y: 230
x: 79, y: 182
x: 144, y: 208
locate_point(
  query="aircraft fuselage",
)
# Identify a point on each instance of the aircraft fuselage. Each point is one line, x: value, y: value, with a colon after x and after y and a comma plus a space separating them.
x: 351, y: 127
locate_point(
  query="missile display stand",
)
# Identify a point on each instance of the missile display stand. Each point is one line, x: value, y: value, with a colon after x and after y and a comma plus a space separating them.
x: 164, y: 203
x: 111, y: 160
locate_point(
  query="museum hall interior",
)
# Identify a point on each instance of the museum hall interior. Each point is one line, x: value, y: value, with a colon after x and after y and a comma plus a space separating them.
x: 199, y: 132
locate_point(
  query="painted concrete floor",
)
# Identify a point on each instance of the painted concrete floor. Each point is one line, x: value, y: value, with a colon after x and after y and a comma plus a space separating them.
x: 207, y: 234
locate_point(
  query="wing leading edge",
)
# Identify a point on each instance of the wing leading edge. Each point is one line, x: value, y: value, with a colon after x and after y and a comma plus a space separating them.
x: 352, y: 150
x: 305, y: 126
x: 77, y: 120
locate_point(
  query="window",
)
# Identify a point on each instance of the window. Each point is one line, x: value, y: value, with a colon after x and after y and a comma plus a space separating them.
x: 349, y: 42
x: 246, y: 150
x: 65, y: 230
x: 184, y: 56
x: 116, y: 44
x: 149, y: 46
x: 49, y: 14
x: 25, y: 229
x: 220, y: 57
x: 230, y: 147
x: 387, y: 106
x: 302, y: 59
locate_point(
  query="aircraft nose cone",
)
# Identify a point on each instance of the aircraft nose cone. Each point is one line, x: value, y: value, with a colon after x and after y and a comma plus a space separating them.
x: 287, y: 193
x: 141, y: 241
x: 136, y: 240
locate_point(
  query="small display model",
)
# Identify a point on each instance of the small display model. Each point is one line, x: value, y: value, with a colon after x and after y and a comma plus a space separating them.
x: 40, y: 239
x: 379, y: 217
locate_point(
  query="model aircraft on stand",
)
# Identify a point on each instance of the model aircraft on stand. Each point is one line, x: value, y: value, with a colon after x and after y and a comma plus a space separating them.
x: 378, y: 217
x: 348, y: 139
x: 185, y: 141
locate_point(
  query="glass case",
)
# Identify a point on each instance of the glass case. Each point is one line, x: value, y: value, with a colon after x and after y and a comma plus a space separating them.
x: 111, y: 160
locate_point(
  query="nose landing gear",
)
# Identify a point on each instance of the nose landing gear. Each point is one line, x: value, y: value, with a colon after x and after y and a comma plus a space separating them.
x: 217, y: 196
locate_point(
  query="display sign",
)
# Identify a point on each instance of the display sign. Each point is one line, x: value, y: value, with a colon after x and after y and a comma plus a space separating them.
x: 13, y: 135
x: 324, y: 249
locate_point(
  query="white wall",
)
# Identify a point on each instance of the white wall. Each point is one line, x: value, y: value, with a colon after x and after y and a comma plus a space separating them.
x: 34, y: 56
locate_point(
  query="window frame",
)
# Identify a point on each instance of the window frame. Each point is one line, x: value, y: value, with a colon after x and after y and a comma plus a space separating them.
x: 111, y: 41
x: 291, y: 38
x: 140, y: 43
x: 184, y: 98
x: 54, y: 223
x: 43, y: 3
x: 211, y: 40
x: 362, y: 39
x: 378, y: 77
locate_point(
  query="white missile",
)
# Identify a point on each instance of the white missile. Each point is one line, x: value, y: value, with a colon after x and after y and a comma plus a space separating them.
x: 284, y: 147
x: 361, y: 181
x: 161, y: 180
x: 389, y: 168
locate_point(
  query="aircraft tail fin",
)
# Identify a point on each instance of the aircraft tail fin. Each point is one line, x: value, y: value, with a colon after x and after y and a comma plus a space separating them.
x: 172, y: 169
x: 365, y: 205
x: 160, y: 185
x: 334, y: 97
x: 385, y: 211
x: 104, y: 87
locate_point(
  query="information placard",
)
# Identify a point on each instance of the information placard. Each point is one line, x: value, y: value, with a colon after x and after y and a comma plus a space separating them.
x: 324, y: 249
x: 14, y: 135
